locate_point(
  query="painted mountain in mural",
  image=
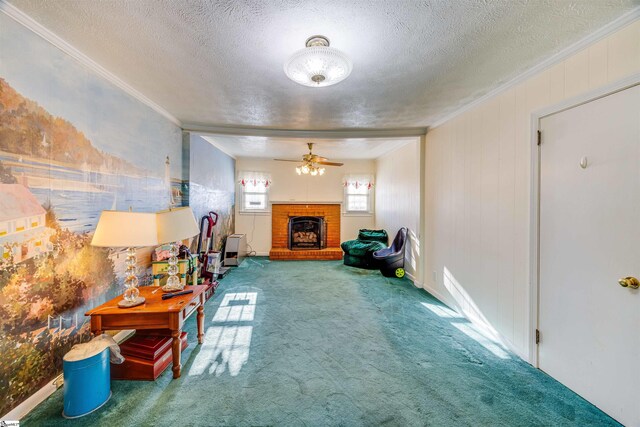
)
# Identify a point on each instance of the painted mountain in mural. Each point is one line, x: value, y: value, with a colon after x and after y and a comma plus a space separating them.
x: 28, y: 129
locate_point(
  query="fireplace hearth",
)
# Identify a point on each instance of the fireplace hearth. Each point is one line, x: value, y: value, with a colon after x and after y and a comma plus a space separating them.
x: 307, y: 233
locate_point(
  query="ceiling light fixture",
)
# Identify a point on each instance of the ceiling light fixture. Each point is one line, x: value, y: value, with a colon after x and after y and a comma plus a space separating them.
x: 318, y: 65
x: 309, y: 169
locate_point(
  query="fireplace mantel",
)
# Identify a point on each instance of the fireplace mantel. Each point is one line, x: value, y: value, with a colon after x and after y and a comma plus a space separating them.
x: 289, y: 202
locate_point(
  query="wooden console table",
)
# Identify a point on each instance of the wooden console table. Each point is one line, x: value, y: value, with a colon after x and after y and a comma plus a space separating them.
x: 155, y: 313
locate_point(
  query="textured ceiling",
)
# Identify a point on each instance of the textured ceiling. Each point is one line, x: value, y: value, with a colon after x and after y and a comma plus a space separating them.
x: 220, y: 62
x: 294, y: 148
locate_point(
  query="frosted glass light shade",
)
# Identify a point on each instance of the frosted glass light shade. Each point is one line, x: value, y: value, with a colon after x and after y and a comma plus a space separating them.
x: 122, y: 229
x: 176, y: 224
x: 305, y: 65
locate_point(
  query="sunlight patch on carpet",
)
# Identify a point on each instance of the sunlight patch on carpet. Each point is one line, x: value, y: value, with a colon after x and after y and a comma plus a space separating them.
x: 467, y: 305
x: 492, y: 346
x: 226, y: 346
x: 442, y: 311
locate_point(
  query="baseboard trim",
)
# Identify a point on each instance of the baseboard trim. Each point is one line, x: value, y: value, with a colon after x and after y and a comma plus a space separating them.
x: 438, y: 295
x: 41, y: 395
x: 452, y: 304
x: 413, y: 279
x: 31, y: 402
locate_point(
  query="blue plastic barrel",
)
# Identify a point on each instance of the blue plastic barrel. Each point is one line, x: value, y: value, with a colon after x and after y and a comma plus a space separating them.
x: 87, y: 384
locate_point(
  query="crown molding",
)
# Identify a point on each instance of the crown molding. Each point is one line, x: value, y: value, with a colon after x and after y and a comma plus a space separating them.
x: 565, y: 53
x: 397, y: 147
x: 204, y: 129
x: 24, y: 19
x: 213, y: 142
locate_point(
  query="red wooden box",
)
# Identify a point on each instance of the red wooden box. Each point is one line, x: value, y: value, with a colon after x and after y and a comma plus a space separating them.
x: 146, y: 357
x: 145, y: 346
x: 211, y: 288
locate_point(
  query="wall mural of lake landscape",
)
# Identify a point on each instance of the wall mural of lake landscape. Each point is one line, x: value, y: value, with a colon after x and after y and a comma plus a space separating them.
x: 212, y: 189
x: 71, y: 145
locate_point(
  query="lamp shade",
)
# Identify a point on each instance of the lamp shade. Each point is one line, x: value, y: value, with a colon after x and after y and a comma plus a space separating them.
x: 126, y: 229
x: 176, y: 224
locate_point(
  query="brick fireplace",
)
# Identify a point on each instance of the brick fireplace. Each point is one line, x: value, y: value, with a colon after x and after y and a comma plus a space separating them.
x: 327, y: 237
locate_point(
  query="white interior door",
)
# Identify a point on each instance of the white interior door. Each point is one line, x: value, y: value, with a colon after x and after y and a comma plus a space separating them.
x: 589, y: 239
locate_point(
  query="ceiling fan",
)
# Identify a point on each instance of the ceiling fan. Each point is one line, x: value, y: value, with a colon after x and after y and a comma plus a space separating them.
x: 309, y: 163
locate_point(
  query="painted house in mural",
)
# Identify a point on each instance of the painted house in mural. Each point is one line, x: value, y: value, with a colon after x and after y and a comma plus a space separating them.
x: 23, y: 234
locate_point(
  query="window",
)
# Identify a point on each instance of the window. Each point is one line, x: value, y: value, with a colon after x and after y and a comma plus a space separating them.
x: 20, y: 224
x: 358, y: 194
x: 254, y: 191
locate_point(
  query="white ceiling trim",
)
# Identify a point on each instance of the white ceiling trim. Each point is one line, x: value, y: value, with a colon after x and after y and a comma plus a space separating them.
x: 315, y: 134
x: 392, y: 149
x: 24, y: 19
x: 60, y: 43
x: 259, y: 147
x: 218, y: 146
x: 598, y: 35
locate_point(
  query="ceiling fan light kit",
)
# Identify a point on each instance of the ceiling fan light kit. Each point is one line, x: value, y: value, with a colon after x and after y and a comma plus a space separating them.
x: 318, y: 64
x: 310, y: 170
x: 311, y: 163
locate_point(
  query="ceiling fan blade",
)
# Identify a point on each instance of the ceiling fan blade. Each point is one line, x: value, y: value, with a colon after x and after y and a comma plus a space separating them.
x: 287, y: 160
x: 330, y: 163
x: 317, y: 158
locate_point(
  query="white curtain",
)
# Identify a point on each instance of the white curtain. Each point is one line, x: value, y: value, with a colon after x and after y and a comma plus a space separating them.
x: 360, y: 182
x: 254, y: 181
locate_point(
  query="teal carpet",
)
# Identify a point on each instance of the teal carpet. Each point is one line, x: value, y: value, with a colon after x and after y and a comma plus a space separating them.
x: 316, y: 343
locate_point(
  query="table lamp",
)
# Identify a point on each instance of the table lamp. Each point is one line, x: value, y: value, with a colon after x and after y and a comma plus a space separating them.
x: 117, y: 229
x: 175, y: 224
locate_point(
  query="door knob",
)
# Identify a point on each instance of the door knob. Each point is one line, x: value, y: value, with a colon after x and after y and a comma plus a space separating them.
x: 629, y: 282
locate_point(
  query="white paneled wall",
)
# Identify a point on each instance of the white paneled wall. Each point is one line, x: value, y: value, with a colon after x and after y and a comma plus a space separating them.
x: 398, y: 198
x: 289, y: 187
x: 477, y: 204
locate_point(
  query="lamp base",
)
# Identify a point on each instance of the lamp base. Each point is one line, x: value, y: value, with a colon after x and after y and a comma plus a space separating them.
x: 129, y: 304
x: 167, y: 288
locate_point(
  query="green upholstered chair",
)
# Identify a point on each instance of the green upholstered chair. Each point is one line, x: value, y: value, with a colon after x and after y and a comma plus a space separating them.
x: 359, y: 252
x: 373, y: 236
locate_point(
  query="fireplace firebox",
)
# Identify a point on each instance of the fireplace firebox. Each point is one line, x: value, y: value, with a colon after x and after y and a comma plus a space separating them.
x: 307, y: 232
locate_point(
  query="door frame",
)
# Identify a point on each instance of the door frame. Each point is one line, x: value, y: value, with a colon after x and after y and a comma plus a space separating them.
x: 534, y: 226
